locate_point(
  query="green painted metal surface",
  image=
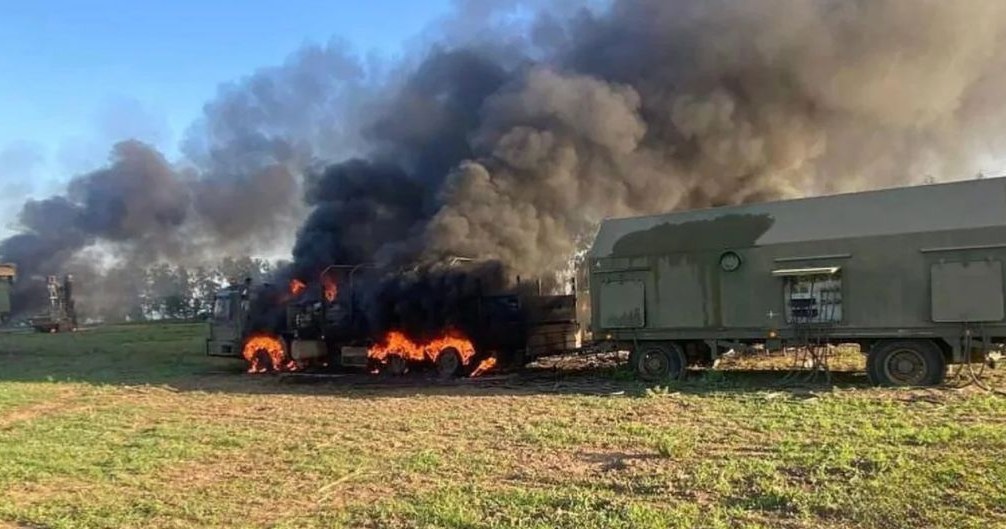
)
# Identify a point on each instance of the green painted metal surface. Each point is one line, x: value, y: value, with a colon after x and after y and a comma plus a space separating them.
x: 5, y: 291
x: 8, y: 272
x: 874, y: 254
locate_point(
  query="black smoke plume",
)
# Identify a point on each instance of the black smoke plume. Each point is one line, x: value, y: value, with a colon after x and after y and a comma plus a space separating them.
x: 652, y: 105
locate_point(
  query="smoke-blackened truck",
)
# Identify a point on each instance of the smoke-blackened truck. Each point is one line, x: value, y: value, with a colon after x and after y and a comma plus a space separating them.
x: 325, y: 324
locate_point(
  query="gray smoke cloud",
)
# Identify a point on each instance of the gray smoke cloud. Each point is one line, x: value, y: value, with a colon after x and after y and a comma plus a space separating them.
x: 657, y: 105
x: 647, y: 106
x: 236, y: 192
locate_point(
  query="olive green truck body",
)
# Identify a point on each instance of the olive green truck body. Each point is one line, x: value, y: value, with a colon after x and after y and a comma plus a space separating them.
x: 919, y: 263
x: 8, y: 272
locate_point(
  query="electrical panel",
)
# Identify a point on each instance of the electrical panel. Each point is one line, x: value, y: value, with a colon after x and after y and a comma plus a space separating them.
x: 813, y: 298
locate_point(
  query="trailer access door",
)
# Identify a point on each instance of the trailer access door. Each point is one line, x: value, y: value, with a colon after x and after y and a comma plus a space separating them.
x: 967, y: 292
x: 622, y: 304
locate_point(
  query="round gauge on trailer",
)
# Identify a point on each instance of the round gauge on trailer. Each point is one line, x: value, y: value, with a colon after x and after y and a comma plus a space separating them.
x: 730, y: 261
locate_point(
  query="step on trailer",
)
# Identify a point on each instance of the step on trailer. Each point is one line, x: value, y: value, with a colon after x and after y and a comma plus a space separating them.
x: 913, y: 275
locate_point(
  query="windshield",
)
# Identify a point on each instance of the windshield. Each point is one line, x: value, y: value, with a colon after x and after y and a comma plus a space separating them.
x: 222, y: 308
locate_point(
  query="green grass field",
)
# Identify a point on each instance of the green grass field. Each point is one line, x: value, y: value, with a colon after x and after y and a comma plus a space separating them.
x: 133, y: 427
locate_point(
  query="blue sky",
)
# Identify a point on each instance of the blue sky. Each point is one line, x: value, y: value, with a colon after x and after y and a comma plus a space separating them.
x: 75, y: 76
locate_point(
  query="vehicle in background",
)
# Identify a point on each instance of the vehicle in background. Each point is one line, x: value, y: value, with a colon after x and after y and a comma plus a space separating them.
x: 61, y: 313
x: 8, y: 272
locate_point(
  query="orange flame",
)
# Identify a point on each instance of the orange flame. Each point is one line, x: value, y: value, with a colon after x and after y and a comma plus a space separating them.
x: 331, y: 289
x: 265, y: 352
x: 297, y: 287
x: 396, y: 343
x: 484, y: 367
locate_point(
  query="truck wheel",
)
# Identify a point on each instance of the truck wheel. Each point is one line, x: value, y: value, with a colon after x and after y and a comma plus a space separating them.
x: 448, y: 362
x: 906, y: 363
x: 656, y: 362
x: 396, y: 365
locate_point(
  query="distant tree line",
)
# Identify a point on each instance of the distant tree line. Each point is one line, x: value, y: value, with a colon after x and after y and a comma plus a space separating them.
x: 163, y: 291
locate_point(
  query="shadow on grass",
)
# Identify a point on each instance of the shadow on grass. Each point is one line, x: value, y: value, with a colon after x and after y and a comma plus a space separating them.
x: 172, y: 355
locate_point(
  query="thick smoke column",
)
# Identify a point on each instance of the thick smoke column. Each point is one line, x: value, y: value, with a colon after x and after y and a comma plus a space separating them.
x: 659, y: 105
x: 375, y: 208
x: 654, y: 105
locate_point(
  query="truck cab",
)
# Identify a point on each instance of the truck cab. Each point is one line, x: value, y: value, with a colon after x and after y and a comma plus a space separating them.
x: 229, y: 321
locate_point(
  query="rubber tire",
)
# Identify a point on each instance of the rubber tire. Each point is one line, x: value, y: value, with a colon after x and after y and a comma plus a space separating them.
x: 673, y: 355
x: 446, y: 368
x: 936, y: 364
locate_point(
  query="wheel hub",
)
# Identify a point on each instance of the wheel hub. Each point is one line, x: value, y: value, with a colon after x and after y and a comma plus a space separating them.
x: 906, y: 367
x: 655, y: 363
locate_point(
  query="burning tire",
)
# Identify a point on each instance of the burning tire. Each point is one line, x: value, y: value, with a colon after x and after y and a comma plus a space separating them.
x: 448, y: 362
x: 266, y: 352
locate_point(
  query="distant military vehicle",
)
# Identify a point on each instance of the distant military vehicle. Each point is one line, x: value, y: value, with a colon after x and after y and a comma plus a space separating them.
x: 7, y: 274
x: 61, y: 314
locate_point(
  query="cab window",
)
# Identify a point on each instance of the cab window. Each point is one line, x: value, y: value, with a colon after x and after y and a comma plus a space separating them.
x: 222, y: 308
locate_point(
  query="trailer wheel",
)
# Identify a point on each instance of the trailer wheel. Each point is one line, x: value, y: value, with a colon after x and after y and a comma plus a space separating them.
x: 906, y: 363
x: 396, y: 365
x: 448, y: 362
x: 658, y: 361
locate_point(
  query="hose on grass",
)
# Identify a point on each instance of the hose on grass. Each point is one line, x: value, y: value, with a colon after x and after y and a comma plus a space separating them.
x: 977, y: 378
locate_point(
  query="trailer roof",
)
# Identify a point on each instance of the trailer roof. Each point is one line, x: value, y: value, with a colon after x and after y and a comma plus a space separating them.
x: 937, y: 207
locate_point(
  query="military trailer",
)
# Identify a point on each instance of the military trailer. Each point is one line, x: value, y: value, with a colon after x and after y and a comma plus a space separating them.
x: 913, y: 275
x: 7, y: 274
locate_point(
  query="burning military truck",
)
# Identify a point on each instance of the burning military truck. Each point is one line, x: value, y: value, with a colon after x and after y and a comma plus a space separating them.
x: 357, y: 317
